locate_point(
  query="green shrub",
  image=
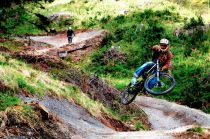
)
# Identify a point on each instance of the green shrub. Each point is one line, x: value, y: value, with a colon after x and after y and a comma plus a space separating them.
x: 104, y: 20
x: 125, y: 117
x: 148, y: 13
x: 66, y: 22
x: 89, y: 23
x: 195, y: 94
x: 163, y: 15
x: 196, y: 129
x: 151, y: 36
x: 119, y: 33
x: 7, y: 100
x: 193, y: 23
x: 98, y: 55
x: 196, y: 36
x: 138, y: 125
x: 120, y: 19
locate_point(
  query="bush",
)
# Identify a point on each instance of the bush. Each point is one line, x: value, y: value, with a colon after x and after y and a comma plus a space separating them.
x: 96, y: 57
x: 196, y: 36
x: 148, y: 13
x: 193, y: 23
x: 66, y: 22
x: 151, y: 36
x: 163, y: 15
x: 197, y: 129
x: 104, y: 20
x: 15, y: 18
x: 192, y: 79
x: 107, y: 61
x: 119, y: 33
x: 120, y: 19
x: 195, y: 94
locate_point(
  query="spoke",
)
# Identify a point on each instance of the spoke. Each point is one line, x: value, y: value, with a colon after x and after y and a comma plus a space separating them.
x: 162, y: 85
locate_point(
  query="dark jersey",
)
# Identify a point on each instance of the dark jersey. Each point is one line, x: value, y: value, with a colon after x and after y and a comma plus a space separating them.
x: 70, y: 33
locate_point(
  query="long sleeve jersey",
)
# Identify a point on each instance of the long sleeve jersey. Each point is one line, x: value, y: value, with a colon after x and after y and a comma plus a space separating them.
x: 164, y: 57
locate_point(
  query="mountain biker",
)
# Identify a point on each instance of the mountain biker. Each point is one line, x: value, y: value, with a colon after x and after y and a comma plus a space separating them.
x: 161, y: 53
x: 70, y: 34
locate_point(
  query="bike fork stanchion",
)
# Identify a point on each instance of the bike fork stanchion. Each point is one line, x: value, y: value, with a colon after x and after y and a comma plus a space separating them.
x: 158, y: 73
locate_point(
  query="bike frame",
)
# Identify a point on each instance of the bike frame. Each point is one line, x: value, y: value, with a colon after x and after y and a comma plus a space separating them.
x: 157, y: 65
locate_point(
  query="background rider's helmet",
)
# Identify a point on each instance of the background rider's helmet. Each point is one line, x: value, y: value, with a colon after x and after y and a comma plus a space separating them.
x: 70, y: 28
x: 164, y: 41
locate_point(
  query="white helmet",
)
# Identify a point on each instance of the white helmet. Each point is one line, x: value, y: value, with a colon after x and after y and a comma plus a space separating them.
x: 164, y: 41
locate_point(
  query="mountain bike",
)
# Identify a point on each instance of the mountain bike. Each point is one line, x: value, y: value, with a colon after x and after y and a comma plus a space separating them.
x: 153, y: 82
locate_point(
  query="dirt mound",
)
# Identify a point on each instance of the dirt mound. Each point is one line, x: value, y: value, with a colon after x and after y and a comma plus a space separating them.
x: 193, y: 135
x: 115, y: 55
x: 113, y: 123
x: 3, y: 87
x: 2, y: 39
x: 4, y: 49
x: 16, y: 123
x: 99, y: 90
x: 59, y: 16
x: 44, y: 61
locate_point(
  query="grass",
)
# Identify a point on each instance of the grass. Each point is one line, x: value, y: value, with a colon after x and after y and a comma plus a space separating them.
x: 95, y: 14
x: 8, y: 100
x: 23, y: 84
x: 138, y: 125
x: 118, y: 82
x: 197, y: 129
x: 12, y: 45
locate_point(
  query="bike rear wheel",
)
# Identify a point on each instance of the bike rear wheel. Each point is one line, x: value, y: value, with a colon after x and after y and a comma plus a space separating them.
x: 130, y: 93
x: 165, y: 85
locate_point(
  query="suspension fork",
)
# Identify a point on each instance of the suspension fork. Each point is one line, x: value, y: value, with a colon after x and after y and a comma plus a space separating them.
x: 158, y: 72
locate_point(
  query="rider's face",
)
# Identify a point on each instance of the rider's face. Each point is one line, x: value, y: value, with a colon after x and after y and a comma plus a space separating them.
x: 163, y: 46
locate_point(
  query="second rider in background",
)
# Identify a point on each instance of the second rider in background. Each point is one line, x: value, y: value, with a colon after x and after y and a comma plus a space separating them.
x: 70, y: 34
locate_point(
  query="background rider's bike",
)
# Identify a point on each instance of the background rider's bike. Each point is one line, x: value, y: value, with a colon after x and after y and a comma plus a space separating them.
x: 154, y: 82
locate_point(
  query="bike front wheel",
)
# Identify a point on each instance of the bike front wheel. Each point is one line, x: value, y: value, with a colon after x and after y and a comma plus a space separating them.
x: 130, y: 93
x: 166, y: 84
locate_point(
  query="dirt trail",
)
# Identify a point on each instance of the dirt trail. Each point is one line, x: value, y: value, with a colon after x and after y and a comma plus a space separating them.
x: 75, y: 117
x: 60, y: 40
x: 84, y: 126
x: 168, y: 115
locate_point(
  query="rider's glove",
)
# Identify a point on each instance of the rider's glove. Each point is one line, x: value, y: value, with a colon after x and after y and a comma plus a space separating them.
x: 156, y: 48
x: 163, y: 68
x: 133, y: 81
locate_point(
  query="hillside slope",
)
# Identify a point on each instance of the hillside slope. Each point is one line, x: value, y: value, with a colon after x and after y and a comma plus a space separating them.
x: 77, y: 96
